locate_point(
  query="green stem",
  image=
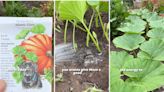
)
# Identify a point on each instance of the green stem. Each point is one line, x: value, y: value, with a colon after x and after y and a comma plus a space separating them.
x: 58, y: 30
x: 78, y: 26
x: 91, y: 36
x: 102, y: 25
x: 65, y: 32
x: 90, y: 23
x: 96, y: 21
x: 74, y: 43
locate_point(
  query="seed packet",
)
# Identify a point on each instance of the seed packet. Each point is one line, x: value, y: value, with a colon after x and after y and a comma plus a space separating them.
x: 26, y: 54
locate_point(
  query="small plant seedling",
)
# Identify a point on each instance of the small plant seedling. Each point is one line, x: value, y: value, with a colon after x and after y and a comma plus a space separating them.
x: 59, y: 77
x: 93, y: 89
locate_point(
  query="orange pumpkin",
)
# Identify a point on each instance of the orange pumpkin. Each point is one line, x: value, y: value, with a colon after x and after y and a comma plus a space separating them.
x: 41, y: 45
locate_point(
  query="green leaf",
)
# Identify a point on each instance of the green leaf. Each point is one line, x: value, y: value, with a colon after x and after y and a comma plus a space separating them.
x: 104, y: 6
x: 18, y: 61
x: 125, y: 87
x: 94, y: 3
x: 154, y: 48
x: 72, y: 10
x: 119, y: 58
x: 22, y: 34
x: 150, y: 76
x: 94, y: 35
x: 59, y: 77
x: 19, y: 50
x: 146, y: 74
x: 48, y: 75
x: 18, y: 76
x: 93, y: 89
x: 134, y: 25
x: 128, y: 41
x: 156, y: 33
x: 155, y: 21
x: 38, y: 29
x: 31, y: 56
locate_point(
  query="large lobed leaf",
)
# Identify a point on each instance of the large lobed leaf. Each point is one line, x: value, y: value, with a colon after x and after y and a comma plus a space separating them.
x: 72, y: 10
x: 134, y: 24
x: 153, y: 49
x: 156, y: 33
x: 147, y: 74
x: 128, y: 41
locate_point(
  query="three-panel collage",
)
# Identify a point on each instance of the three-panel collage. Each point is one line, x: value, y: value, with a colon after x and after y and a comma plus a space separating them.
x: 81, y: 45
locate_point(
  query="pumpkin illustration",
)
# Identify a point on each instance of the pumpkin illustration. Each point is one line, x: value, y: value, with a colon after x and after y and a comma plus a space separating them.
x: 41, y: 45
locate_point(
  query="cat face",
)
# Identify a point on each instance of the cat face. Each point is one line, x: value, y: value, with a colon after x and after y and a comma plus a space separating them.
x: 30, y: 69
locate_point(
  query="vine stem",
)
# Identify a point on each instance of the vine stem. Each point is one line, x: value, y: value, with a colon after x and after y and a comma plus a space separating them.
x: 65, y: 31
x: 102, y: 25
x: 90, y: 23
x: 93, y: 39
x: 74, y: 43
x: 78, y: 26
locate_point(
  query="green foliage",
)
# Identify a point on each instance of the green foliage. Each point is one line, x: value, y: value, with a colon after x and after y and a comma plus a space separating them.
x: 38, y: 29
x: 31, y: 56
x: 138, y: 23
x: 93, y: 89
x: 143, y: 69
x: 134, y: 24
x: 143, y: 73
x: 15, y: 9
x: 59, y: 77
x: 18, y: 76
x: 118, y: 13
x: 19, y: 50
x: 22, y: 34
x: 18, y: 61
x: 48, y: 75
x: 128, y: 41
x: 75, y: 10
x: 72, y: 10
x: 19, y: 9
x: 34, y: 12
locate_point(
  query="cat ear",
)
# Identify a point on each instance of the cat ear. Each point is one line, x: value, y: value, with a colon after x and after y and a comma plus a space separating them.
x: 22, y: 66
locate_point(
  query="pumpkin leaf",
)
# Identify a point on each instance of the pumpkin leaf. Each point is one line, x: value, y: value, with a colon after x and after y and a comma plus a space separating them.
x: 154, y: 48
x: 38, y: 29
x: 48, y: 75
x: 156, y: 33
x: 104, y: 6
x: 125, y: 87
x: 134, y: 25
x: 18, y: 76
x: 18, y: 61
x: 22, y: 34
x: 72, y: 10
x: 19, y: 50
x: 128, y: 41
x: 31, y: 56
x: 93, y: 3
x: 147, y: 74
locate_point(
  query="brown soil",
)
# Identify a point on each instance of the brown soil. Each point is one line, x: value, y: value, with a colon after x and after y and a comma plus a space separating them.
x: 79, y: 83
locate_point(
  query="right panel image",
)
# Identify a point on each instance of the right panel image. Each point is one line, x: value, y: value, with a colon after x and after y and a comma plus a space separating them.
x: 137, y: 46
x: 81, y: 50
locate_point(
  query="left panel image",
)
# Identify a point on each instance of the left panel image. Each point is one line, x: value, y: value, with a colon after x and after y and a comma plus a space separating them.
x: 26, y: 45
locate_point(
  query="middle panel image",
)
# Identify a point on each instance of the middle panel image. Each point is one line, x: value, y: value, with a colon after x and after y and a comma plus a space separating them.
x: 81, y: 46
